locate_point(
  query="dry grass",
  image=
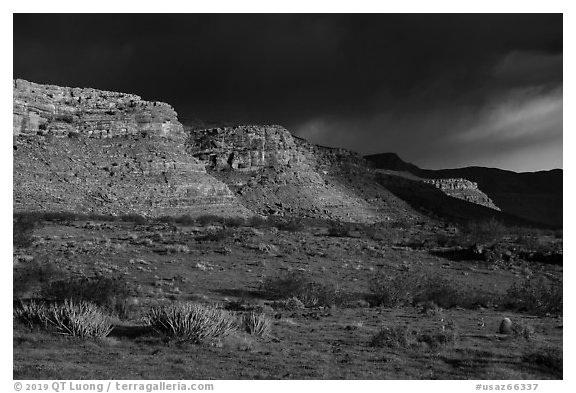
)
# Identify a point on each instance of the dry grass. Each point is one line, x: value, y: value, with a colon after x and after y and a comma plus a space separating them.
x: 256, y: 323
x: 70, y: 318
x: 80, y: 319
x: 191, y: 322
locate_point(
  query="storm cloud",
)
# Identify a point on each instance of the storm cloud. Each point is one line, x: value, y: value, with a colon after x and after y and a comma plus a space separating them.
x: 439, y: 90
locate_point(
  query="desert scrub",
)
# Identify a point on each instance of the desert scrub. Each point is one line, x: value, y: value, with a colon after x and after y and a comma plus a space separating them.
x: 107, y: 292
x: 402, y: 336
x: 191, y: 322
x: 392, y: 290
x: 438, y: 290
x: 256, y: 323
x: 295, y: 285
x: 523, y: 331
x: 22, y: 229
x: 484, y: 231
x: 79, y: 319
x: 535, y: 295
x: 217, y: 235
x: 548, y: 357
x: 339, y: 229
x: 208, y: 219
x: 394, y: 337
x: 31, y: 313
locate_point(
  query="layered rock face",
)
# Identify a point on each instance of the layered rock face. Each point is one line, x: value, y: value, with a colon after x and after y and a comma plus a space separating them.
x: 273, y: 172
x: 463, y: 189
x: 114, y: 154
x: 245, y: 148
x: 64, y: 111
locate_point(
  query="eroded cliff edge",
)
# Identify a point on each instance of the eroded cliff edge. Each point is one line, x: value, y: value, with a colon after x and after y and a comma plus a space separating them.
x: 88, y: 150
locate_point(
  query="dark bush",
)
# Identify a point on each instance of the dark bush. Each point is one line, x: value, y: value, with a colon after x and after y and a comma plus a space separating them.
x: 36, y: 273
x: 184, y: 219
x: 135, y: 218
x: 393, y: 290
x: 289, y: 225
x: 438, y: 290
x: 485, y: 231
x: 208, y: 219
x: 256, y: 222
x: 296, y: 285
x: 401, y: 336
x: 393, y: 337
x: 283, y: 287
x: 233, y: 222
x: 217, y: 236
x: 23, y: 227
x: 536, y: 295
x: 339, y: 229
x: 548, y: 357
x: 109, y: 292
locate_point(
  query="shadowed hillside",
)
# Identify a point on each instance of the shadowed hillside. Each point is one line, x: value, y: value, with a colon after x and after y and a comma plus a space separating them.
x: 533, y: 196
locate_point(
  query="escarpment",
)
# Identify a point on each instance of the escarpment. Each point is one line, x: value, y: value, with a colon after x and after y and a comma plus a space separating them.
x: 87, y: 150
x: 463, y: 189
x: 64, y: 111
x: 275, y: 173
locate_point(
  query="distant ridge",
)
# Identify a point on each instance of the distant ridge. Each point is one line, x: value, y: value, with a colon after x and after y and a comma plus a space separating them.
x: 534, y: 196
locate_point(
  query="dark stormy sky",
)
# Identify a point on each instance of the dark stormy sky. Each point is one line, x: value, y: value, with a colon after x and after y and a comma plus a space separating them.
x: 441, y: 90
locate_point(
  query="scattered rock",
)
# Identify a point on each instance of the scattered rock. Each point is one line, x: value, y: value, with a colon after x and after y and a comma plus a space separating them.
x: 505, y: 326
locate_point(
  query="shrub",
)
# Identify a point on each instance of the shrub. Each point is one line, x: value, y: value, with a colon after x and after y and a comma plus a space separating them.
x: 23, y: 227
x: 290, y: 304
x: 256, y: 222
x: 309, y: 293
x: 438, y: 290
x: 37, y: 273
x: 256, y: 323
x: 535, y: 295
x: 135, y: 218
x: 291, y: 225
x: 234, y: 222
x: 314, y: 294
x: 392, y: 290
x: 31, y: 313
x: 446, y: 337
x: 218, y: 235
x: 339, y: 230
x: 393, y: 337
x: 484, y: 231
x: 79, y: 319
x: 521, y: 330
x: 548, y: 357
x: 208, y: 219
x: 402, y: 336
x: 282, y: 287
x: 191, y: 322
x: 108, y: 292
x: 184, y: 219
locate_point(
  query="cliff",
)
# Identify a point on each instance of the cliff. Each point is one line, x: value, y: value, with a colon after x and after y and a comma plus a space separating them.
x: 88, y: 150
x: 274, y: 173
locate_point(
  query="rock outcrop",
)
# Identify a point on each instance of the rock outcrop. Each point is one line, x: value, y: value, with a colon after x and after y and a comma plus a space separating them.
x: 274, y: 173
x: 87, y: 150
x: 64, y: 111
x: 463, y: 189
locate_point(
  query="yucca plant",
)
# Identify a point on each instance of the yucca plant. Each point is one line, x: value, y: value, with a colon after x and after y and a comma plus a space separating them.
x: 191, y: 322
x: 31, y: 313
x: 256, y: 323
x: 79, y: 319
